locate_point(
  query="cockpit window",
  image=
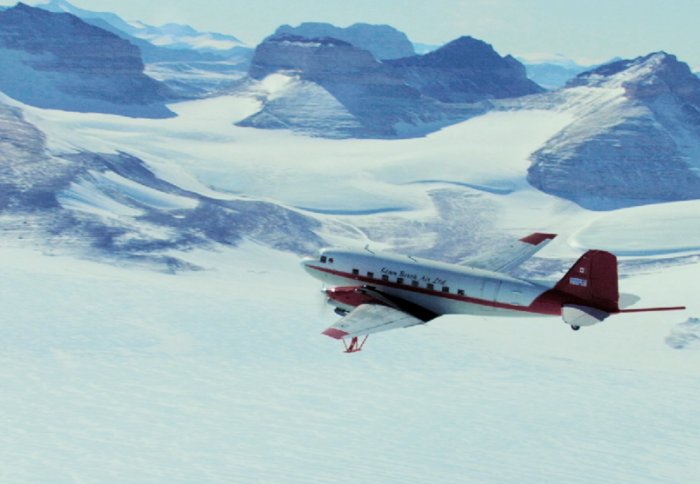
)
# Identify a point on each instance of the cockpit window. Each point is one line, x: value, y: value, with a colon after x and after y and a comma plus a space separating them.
x: 323, y: 259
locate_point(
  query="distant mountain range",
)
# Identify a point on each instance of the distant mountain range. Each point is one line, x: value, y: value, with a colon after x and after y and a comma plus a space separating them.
x: 366, y: 97
x: 383, y: 41
x: 58, y: 61
x: 634, y: 135
x: 171, y: 36
x: 552, y: 72
x: 191, y: 63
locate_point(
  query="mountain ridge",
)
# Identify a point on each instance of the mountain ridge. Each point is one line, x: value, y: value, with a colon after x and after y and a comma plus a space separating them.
x: 638, y: 123
x: 58, y: 61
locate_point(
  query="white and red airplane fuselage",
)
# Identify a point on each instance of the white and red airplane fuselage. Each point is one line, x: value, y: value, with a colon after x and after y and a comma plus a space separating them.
x: 438, y: 287
x: 379, y: 291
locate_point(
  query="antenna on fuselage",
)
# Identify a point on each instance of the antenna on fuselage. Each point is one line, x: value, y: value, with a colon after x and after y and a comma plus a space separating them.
x: 368, y: 249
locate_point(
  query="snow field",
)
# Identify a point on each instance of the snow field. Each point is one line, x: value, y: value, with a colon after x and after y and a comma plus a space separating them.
x: 118, y: 374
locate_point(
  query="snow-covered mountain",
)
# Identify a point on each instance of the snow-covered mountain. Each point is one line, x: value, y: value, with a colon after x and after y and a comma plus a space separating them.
x: 329, y: 87
x: 335, y: 89
x: 192, y: 64
x: 551, y: 72
x: 635, y: 138
x: 172, y: 36
x: 383, y: 41
x: 116, y: 359
x: 465, y: 70
x: 156, y: 325
x: 115, y: 204
x: 58, y: 61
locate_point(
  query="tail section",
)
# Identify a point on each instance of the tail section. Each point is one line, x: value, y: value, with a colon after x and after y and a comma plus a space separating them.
x: 592, y: 281
x: 589, y: 291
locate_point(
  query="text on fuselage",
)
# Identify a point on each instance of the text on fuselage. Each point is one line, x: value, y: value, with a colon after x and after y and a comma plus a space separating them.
x: 413, y: 277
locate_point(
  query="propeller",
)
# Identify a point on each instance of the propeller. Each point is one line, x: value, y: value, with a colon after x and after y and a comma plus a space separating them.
x: 323, y: 302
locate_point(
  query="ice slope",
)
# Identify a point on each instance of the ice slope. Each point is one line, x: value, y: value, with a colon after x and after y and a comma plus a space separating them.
x: 281, y: 164
x: 112, y: 374
x: 644, y: 231
x: 115, y: 372
x: 443, y: 195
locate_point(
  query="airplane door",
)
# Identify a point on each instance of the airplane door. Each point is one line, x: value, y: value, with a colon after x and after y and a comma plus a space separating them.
x: 489, y: 291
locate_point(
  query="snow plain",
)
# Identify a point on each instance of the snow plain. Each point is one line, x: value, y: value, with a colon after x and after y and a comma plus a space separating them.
x: 117, y: 373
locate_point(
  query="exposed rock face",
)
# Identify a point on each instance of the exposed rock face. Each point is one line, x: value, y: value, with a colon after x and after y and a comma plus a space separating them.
x: 465, y: 70
x: 635, y: 140
x: 58, y: 61
x: 392, y: 98
x: 363, y: 86
x: 383, y: 41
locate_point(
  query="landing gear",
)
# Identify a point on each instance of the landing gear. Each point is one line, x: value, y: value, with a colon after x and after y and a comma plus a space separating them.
x: 341, y: 312
x: 575, y: 328
x: 354, y: 346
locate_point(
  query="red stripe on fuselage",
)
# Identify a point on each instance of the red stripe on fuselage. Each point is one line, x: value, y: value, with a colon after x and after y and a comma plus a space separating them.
x: 548, y: 303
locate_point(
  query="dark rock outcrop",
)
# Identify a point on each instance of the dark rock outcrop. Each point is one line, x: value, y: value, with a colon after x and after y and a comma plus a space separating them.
x: 635, y: 139
x: 465, y: 70
x: 383, y: 41
x: 58, y: 61
x: 391, y: 98
x: 363, y: 86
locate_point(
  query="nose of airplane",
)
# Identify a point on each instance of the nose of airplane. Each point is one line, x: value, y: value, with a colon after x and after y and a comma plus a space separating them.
x: 306, y: 262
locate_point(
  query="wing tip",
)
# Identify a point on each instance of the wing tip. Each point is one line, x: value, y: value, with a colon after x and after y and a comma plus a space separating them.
x: 537, y: 238
x: 335, y: 333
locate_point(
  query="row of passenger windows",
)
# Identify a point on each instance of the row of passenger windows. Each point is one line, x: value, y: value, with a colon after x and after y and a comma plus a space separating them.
x: 414, y: 283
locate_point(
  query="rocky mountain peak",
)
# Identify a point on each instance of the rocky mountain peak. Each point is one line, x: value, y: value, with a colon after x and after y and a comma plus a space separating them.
x: 463, y: 52
x: 56, y: 60
x: 638, y: 123
x: 646, y: 78
x: 75, y: 44
x: 465, y: 70
x: 312, y: 58
x: 383, y: 41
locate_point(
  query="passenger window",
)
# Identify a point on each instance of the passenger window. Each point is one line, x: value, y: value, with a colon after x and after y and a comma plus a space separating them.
x: 355, y: 272
x: 430, y: 286
x: 460, y: 292
x: 445, y: 289
x: 414, y: 283
x: 385, y: 278
x: 323, y: 259
x: 399, y: 280
x: 330, y: 260
x: 370, y: 275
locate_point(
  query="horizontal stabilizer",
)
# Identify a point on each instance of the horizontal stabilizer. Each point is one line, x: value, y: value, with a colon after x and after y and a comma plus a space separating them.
x: 653, y: 310
x: 627, y: 300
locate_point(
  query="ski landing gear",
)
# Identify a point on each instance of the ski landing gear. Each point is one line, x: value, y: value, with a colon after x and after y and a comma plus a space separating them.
x: 354, y: 346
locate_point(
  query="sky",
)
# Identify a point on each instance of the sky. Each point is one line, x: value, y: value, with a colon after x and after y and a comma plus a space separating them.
x: 588, y: 32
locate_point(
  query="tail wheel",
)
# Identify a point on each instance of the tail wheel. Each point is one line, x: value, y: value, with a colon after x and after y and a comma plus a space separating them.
x: 575, y: 328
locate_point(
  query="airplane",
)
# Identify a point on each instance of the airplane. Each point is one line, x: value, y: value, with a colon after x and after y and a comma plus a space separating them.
x: 375, y: 291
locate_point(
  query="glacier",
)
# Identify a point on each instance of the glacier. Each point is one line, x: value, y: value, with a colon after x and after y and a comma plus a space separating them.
x: 156, y: 324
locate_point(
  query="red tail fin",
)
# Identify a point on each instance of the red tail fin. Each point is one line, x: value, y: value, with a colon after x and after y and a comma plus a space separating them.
x: 592, y: 281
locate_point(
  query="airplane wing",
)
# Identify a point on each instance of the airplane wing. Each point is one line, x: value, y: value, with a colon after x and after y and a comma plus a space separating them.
x: 370, y: 318
x: 505, y: 259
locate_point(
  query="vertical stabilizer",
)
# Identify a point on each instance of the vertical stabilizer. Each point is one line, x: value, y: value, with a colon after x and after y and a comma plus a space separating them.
x: 592, y: 281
